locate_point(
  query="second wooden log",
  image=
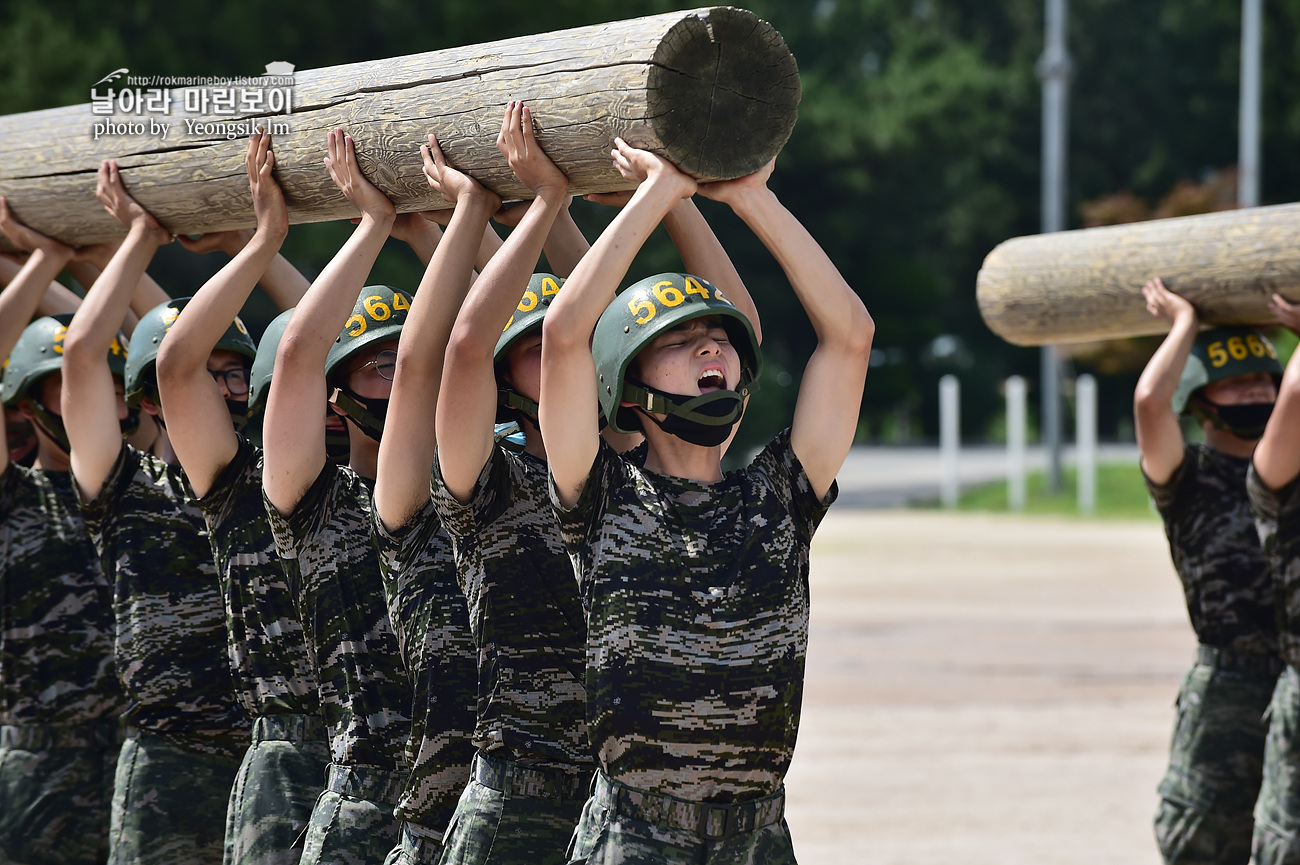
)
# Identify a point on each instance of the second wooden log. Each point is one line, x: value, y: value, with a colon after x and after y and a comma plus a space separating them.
x: 1084, y: 285
x: 713, y: 90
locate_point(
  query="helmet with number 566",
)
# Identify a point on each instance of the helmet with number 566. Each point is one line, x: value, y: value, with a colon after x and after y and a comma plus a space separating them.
x: 641, y: 313
x: 1220, y: 354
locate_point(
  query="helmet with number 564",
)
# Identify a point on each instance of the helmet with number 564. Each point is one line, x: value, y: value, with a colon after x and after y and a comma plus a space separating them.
x: 527, y: 318
x: 141, y: 376
x: 641, y: 313
x: 378, y: 316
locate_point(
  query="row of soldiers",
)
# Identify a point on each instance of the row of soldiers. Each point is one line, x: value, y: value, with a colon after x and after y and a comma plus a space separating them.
x: 234, y: 631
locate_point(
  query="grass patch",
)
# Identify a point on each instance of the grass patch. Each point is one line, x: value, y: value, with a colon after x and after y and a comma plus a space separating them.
x: 1121, y: 495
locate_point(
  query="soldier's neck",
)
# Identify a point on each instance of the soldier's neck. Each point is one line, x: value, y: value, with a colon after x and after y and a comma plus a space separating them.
x: 1229, y: 444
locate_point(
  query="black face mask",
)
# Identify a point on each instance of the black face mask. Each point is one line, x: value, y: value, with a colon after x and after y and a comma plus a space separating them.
x: 1244, y: 421
x: 705, y: 420
x: 238, y: 413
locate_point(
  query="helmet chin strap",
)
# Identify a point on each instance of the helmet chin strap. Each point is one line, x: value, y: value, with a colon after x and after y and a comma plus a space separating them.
x: 49, y: 423
x: 705, y: 420
x: 511, y: 398
x: 365, y: 415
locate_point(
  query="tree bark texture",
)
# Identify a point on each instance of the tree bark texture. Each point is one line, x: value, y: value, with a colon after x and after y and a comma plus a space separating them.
x: 1084, y: 285
x: 714, y: 90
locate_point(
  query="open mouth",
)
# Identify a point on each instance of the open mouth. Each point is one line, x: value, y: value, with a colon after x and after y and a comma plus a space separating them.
x: 712, y: 379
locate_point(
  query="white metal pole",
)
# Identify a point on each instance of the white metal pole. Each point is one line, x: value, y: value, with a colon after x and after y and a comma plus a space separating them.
x: 1252, y: 27
x: 1016, y: 390
x: 1085, y: 438
x: 949, y: 438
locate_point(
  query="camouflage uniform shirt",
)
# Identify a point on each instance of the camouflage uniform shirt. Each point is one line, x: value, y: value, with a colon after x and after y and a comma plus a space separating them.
x: 525, y: 612
x: 1277, y: 517
x: 273, y: 670
x: 170, y: 629
x: 428, y: 614
x: 56, y: 607
x: 697, y: 602
x: 334, y: 569
x: 1216, y: 551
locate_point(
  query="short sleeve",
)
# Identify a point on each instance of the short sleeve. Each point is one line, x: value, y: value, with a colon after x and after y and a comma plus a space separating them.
x: 489, y: 499
x: 1270, y: 504
x: 221, y: 503
x: 100, y: 513
x: 291, y: 530
x: 779, y: 469
x: 1166, y: 494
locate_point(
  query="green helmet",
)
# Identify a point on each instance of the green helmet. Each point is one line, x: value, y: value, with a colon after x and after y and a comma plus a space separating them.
x: 640, y: 314
x: 1223, y: 353
x: 378, y: 316
x: 259, y: 378
x: 141, y: 362
x: 542, y: 289
x: 39, y: 352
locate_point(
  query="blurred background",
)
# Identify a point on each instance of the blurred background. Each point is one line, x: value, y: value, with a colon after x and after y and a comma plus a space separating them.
x: 917, y: 150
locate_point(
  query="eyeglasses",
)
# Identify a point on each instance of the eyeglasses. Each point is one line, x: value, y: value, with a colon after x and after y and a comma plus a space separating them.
x: 385, y: 363
x: 236, y: 379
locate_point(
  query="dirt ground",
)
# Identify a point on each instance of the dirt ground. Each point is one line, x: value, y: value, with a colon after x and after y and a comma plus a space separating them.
x: 986, y: 689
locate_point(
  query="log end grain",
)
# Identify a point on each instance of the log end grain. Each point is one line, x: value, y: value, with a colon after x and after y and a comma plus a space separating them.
x: 723, y: 93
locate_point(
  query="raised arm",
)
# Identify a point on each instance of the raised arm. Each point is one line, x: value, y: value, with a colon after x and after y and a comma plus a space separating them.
x: 89, y: 402
x: 1159, y: 435
x: 407, y: 449
x: 293, y: 432
x: 283, y: 283
x: 198, y: 421
x: 1277, y: 456
x: 467, y: 410
x: 21, y: 297
x: 568, y: 401
x: 830, y: 396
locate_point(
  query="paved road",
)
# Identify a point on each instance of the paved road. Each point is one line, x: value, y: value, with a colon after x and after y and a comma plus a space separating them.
x: 892, y: 477
x: 985, y: 689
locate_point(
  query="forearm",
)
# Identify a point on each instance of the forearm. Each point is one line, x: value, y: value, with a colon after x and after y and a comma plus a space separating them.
x: 703, y: 255
x: 1162, y: 373
x: 58, y: 299
x: 147, y: 295
x: 565, y: 244
x: 283, y: 282
x: 22, y: 296
x: 101, y: 313
x: 837, y: 314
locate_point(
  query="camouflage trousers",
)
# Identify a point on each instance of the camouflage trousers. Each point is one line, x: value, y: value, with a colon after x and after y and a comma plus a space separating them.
x: 511, y: 813
x: 169, y: 803
x: 1215, y: 762
x: 353, y: 821
x: 420, y: 845
x: 624, y: 826
x: 1277, y: 813
x: 55, y: 785
x: 278, y: 782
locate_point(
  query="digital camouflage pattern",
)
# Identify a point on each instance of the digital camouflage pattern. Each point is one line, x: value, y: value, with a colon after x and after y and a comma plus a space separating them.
x: 697, y: 601
x: 504, y: 816
x: 55, y: 795
x: 353, y: 821
x: 525, y: 613
x: 277, y: 786
x: 56, y: 607
x: 1277, y: 815
x: 171, y: 632
x: 60, y: 700
x: 364, y: 692
x: 418, y: 846
x: 1215, y: 766
x: 1216, y: 551
x: 273, y: 667
x: 428, y: 613
x: 656, y: 832
x: 169, y: 804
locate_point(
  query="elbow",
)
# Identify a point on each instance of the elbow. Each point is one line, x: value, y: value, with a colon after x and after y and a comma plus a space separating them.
x: 860, y: 334
x: 464, y: 348
x: 561, y: 334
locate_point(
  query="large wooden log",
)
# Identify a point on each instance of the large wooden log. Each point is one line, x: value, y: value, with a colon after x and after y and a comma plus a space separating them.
x: 714, y: 90
x: 1078, y: 286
